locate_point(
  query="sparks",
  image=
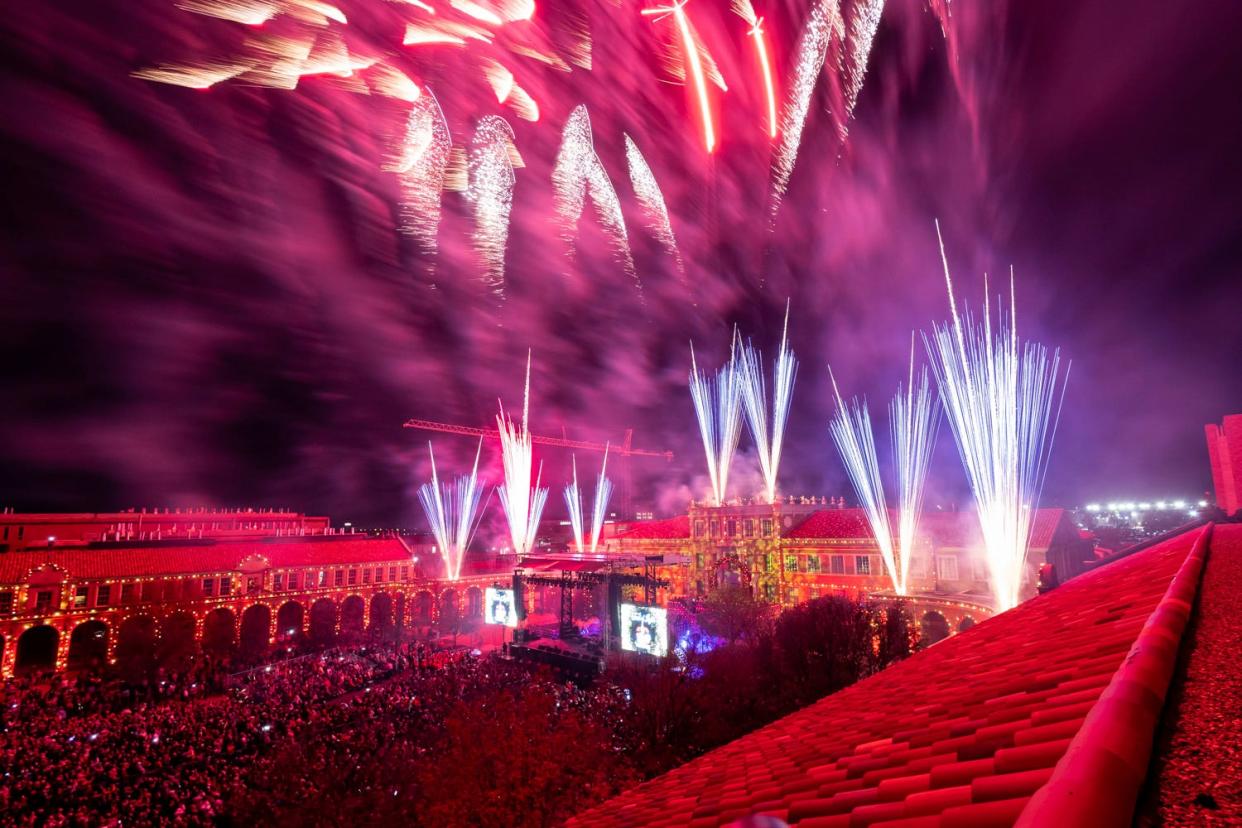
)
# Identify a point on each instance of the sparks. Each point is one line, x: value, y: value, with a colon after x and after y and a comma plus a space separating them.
x: 573, y: 504
x: 453, y: 512
x: 913, y: 417
x: 599, y: 511
x: 579, y: 173
x: 718, y: 407
x: 651, y: 199
x: 821, y: 27
x: 522, y: 502
x: 420, y: 166
x: 583, y: 542
x: 754, y: 395
x: 863, y: 25
x: 690, y: 46
x: 746, y: 11
x: 490, y: 191
x: 1002, y: 398
x: 851, y: 431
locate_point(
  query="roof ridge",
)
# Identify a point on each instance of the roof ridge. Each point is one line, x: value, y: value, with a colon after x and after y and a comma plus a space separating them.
x: 1099, y: 777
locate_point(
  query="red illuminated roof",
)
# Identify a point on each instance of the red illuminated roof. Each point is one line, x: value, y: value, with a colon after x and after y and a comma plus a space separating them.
x: 966, y: 731
x: 672, y: 528
x: 832, y: 523
x: 177, y: 559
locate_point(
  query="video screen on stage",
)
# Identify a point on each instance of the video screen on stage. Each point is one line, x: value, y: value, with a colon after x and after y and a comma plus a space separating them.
x: 644, y: 629
x: 500, y: 607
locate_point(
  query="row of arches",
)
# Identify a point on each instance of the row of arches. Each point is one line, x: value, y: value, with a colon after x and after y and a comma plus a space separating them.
x: 142, y: 639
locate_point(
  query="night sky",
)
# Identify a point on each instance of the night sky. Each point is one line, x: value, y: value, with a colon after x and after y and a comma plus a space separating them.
x: 208, y: 300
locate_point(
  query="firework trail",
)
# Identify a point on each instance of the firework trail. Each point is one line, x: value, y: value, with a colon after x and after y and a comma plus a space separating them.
x: 718, y: 407
x: 453, y: 512
x: 746, y: 11
x: 1002, y: 398
x: 821, y: 28
x: 523, y: 503
x: 603, y: 494
x: 421, y: 166
x: 579, y: 174
x: 754, y: 395
x: 851, y: 431
x: 490, y: 173
x: 825, y: 34
x: 599, y: 508
x: 913, y: 417
x: 573, y: 503
x: 694, y: 58
x: 862, y: 27
x: 655, y: 213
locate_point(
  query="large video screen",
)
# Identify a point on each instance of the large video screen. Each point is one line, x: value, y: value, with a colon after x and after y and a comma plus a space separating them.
x: 500, y: 607
x: 644, y: 629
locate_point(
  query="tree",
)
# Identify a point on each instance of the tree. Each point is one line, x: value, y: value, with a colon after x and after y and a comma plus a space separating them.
x: 516, y: 759
x: 731, y: 612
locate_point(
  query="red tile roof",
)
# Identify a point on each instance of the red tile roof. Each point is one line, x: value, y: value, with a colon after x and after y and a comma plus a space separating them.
x: 833, y: 523
x: 965, y: 732
x: 177, y: 559
x: 672, y: 529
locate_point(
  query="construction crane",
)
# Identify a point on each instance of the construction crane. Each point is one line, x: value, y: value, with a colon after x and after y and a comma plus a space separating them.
x: 625, y: 449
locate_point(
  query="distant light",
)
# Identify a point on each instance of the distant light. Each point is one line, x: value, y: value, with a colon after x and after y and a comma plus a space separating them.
x: 1112, y: 507
x: 1093, y: 507
x: 1193, y: 513
x: 1160, y: 504
x: 1202, y: 503
x: 1144, y: 506
x: 1179, y: 504
x: 266, y: 728
x: 51, y: 539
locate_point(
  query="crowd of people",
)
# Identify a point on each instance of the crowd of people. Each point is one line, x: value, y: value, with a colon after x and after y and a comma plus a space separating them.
x: 408, y: 733
x: 206, y: 747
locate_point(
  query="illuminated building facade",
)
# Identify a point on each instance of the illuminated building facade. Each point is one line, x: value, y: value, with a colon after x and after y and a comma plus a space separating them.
x: 69, y: 603
x: 1224, y: 443
x: 803, y: 548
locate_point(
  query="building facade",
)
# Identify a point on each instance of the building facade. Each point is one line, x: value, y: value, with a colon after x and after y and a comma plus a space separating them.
x: 1224, y: 444
x: 803, y: 548
x: 67, y: 605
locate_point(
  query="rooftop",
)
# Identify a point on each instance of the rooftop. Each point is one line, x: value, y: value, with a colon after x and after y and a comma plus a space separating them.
x: 1038, y: 713
x: 167, y: 558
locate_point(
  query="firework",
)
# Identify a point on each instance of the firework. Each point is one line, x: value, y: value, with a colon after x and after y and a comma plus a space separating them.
x: 694, y: 59
x: 1002, y: 398
x: 647, y: 189
x: 851, y: 431
x: 913, y: 416
x: 863, y: 24
x: 821, y: 27
x: 603, y: 493
x: 523, y: 503
x: 746, y: 11
x: 718, y: 407
x: 453, y: 512
x: 579, y: 174
x: 584, y: 542
x: 490, y: 190
x: 420, y: 166
x: 573, y: 504
x: 754, y: 395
